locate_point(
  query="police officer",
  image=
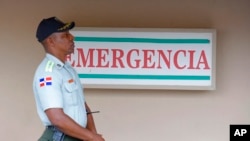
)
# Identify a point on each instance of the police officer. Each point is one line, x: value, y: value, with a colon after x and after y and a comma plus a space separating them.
x: 58, y: 92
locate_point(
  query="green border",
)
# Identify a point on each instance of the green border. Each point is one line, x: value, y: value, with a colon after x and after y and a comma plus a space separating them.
x: 141, y: 40
x: 141, y: 77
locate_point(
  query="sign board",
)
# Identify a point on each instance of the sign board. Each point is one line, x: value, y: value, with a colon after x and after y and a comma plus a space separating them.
x: 145, y: 58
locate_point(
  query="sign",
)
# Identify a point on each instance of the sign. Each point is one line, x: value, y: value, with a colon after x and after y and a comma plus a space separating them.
x: 145, y: 58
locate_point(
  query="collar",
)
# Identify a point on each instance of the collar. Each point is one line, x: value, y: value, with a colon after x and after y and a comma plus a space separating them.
x: 58, y: 63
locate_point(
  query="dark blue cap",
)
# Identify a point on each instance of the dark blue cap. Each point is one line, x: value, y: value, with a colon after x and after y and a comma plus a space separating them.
x: 51, y: 25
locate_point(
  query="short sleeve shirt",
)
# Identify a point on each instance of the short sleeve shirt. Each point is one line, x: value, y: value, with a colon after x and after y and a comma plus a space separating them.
x: 57, y: 85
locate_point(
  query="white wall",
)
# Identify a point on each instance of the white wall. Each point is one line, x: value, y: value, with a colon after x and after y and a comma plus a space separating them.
x: 134, y: 115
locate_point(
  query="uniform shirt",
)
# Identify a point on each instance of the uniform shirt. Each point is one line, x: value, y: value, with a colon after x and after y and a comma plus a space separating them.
x: 57, y: 85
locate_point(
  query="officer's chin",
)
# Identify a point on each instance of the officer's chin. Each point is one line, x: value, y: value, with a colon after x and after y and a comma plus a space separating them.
x: 71, y: 51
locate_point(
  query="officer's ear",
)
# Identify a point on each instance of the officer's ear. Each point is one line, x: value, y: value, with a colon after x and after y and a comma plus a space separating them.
x: 50, y: 41
x: 48, y: 44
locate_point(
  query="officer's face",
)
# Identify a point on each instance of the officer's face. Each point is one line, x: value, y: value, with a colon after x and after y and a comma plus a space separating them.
x: 63, y: 42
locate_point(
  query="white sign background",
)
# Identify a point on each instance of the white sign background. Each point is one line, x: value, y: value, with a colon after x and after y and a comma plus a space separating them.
x: 127, y: 39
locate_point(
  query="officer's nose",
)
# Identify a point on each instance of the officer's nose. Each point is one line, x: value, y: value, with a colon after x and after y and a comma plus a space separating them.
x: 72, y: 37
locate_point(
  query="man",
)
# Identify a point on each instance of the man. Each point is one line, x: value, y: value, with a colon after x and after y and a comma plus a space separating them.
x: 58, y: 92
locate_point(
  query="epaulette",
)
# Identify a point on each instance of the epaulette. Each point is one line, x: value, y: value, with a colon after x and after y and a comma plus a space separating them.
x: 49, y: 66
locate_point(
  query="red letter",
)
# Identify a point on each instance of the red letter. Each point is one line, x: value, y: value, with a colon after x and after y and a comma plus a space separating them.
x: 203, y: 60
x: 84, y: 60
x: 137, y: 62
x: 163, y: 56
x: 117, y: 58
x: 191, y: 59
x: 102, y: 57
x: 176, y: 59
x: 148, y: 58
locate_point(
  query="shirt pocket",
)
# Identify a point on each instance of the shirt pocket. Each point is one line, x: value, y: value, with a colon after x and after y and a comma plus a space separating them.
x: 70, y: 87
x: 71, y: 90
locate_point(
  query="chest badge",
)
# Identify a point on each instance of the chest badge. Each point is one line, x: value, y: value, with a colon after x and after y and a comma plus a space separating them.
x: 71, y: 80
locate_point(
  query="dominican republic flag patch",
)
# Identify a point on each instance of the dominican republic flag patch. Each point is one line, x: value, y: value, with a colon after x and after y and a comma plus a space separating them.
x: 46, y: 81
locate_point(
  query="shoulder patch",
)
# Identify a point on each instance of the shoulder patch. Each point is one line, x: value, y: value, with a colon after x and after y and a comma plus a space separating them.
x: 49, y: 66
x: 45, y: 81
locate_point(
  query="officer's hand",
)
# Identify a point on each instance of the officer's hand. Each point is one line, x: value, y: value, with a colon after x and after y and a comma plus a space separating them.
x: 97, y: 137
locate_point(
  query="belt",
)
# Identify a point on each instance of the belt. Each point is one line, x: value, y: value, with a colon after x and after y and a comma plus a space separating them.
x: 57, y: 134
x: 51, y: 127
x: 60, y: 136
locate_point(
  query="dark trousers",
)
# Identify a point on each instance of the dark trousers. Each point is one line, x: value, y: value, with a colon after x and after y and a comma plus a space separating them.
x: 51, y: 131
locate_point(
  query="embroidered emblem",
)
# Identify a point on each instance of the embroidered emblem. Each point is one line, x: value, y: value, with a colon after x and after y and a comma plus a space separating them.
x: 71, y: 80
x: 46, y: 81
x: 64, y: 27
